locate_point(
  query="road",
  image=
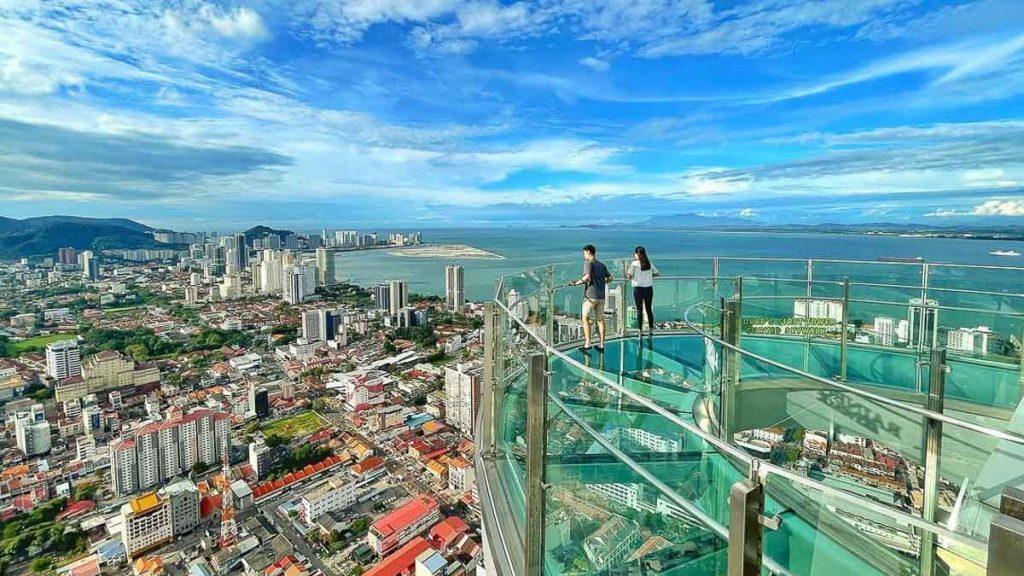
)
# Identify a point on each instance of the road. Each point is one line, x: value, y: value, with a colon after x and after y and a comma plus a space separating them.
x: 284, y: 526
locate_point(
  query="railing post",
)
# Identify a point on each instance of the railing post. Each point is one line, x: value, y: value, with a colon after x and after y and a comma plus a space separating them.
x: 1006, y: 535
x: 536, y: 449
x: 621, y: 305
x: 746, y: 506
x: 491, y: 380
x: 731, y: 318
x: 549, y: 321
x: 846, y: 322
x: 932, y: 457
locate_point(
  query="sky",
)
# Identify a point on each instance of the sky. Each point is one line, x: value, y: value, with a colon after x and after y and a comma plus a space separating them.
x: 451, y: 113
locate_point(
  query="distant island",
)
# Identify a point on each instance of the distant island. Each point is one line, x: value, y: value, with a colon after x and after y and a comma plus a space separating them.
x: 689, y: 221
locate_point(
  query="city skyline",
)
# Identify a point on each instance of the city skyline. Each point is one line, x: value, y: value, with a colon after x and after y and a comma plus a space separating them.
x: 459, y: 112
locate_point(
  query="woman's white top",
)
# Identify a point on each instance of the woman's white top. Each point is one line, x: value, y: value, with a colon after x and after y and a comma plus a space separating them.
x: 641, y: 278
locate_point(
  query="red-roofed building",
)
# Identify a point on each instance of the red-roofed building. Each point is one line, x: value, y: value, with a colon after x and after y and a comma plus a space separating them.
x: 369, y: 468
x: 403, y: 524
x: 209, y: 505
x: 75, y: 509
x: 402, y: 561
x: 446, y: 532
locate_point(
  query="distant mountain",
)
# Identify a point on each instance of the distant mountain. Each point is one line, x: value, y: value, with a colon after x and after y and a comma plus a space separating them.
x: 690, y: 220
x: 43, y: 236
x: 262, y: 231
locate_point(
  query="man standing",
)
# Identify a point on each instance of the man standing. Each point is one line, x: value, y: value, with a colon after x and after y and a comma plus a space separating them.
x: 595, y: 278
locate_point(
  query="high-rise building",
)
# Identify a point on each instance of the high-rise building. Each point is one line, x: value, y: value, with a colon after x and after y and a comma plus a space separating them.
x: 885, y: 330
x: 321, y: 325
x: 818, y: 308
x: 382, y: 296
x: 243, y: 251
x: 90, y: 266
x: 160, y: 451
x: 155, y: 519
x: 519, y: 307
x: 454, y: 287
x: 923, y: 323
x: 259, y: 402
x: 969, y: 340
x: 298, y: 283
x: 67, y: 256
x: 260, y: 457
x: 462, y: 395
x: 63, y: 359
x: 32, y: 431
x: 325, y: 266
x: 398, y: 296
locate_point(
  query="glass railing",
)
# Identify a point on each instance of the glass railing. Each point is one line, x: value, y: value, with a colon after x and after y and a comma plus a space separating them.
x: 815, y: 379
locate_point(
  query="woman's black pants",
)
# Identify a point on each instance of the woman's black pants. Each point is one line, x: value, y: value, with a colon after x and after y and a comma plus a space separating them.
x: 643, y: 297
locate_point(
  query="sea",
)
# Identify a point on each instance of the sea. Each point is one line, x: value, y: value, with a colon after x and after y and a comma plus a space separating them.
x: 522, y: 249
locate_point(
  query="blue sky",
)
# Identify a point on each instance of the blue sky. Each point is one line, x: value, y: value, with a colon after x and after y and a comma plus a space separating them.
x: 339, y: 113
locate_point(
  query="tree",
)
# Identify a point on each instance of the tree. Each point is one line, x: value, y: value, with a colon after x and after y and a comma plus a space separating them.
x: 41, y: 564
x: 200, y: 467
x: 137, y: 351
x: 85, y: 491
x: 360, y: 526
x: 389, y: 347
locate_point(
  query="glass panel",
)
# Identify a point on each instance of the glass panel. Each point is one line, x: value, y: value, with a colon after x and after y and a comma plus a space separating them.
x: 596, y: 502
x: 820, y: 531
x: 601, y: 517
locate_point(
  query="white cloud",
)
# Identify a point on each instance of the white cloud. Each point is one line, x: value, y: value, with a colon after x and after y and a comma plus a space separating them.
x: 747, y: 213
x: 958, y: 61
x: 1005, y: 207
x: 237, y: 23
x: 595, y: 64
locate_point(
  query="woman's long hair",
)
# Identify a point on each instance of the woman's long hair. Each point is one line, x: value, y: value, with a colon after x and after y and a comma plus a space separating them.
x: 641, y: 254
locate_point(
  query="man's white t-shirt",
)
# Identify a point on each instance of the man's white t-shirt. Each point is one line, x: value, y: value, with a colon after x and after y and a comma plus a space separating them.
x: 642, y: 278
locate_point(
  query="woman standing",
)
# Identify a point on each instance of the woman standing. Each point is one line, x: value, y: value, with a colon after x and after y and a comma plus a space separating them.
x: 642, y: 273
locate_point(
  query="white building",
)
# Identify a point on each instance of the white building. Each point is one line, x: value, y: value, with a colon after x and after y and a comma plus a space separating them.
x: 146, y: 524
x: 969, y: 340
x: 155, y: 519
x: 520, y: 308
x: 454, y: 287
x: 259, y: 458
x: 159, y: 451
x: 462, y: 395
x: 298, y: 283
x: 336, y: 493
x: 818, y: 308
x: 32, y: 431
x: 885, y: 330
x: 398, y: 296
x: 63, y: 359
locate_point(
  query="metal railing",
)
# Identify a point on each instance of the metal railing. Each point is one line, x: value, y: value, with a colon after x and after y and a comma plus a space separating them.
x: 757, y: 470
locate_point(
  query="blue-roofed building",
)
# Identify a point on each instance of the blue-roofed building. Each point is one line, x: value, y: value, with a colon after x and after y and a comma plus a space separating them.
x: 418, y: 419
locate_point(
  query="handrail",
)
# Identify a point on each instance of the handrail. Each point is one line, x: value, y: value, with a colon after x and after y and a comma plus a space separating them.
x: 763, y: 468
x: 1001, y: 434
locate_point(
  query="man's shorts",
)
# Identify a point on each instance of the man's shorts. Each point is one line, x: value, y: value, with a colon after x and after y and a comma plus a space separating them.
x: 593, y: 305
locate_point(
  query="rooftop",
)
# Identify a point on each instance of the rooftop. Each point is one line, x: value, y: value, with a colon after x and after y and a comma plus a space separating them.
x: 404, y: 516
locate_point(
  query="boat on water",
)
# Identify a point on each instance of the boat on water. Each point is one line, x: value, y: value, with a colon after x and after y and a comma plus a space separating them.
x: 1004, y: 253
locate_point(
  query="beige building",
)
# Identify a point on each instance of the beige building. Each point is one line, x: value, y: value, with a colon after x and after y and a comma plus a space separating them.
x: 156, y: 518
x: 147, y: 524
x: 106, y: 371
